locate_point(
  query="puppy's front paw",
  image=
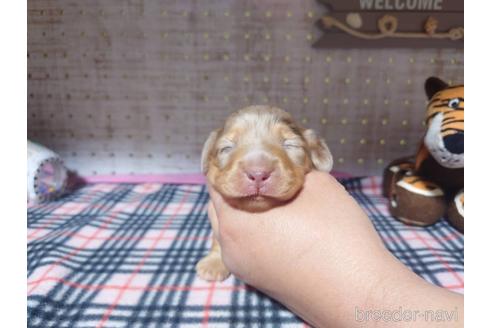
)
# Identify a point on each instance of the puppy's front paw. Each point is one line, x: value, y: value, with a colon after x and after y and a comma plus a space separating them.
x: 212, y: 268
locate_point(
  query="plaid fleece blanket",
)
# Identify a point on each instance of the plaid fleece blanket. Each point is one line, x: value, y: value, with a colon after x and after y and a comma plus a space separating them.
x: 123, y: 255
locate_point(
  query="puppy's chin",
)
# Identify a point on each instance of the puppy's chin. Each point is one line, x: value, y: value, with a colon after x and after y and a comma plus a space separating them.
x: 254, y: 203
x: 258, y: 203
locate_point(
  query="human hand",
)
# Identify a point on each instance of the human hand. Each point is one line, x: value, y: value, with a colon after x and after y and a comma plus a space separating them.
x: 318, y: 254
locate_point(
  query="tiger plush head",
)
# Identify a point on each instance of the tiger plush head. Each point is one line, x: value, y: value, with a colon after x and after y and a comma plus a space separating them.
x: 445, y: 123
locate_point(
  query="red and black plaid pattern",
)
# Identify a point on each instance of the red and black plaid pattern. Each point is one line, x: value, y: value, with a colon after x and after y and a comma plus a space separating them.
x: 114, y: 255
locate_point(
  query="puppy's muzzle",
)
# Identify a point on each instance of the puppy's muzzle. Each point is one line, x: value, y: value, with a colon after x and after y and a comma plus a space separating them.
x: 257, y: 171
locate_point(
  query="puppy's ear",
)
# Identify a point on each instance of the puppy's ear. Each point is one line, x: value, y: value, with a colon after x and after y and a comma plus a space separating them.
x: 207, y: 149
x: 318, y: 150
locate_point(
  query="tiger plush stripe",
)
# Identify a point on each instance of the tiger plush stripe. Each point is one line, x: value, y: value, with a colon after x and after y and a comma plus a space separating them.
x: 428, y: 186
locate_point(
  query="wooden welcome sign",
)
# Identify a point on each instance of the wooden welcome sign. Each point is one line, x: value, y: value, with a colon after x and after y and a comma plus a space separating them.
x: 392, y: 24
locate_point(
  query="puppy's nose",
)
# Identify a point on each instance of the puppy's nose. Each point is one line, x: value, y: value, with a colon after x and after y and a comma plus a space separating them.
x: 259, y: 176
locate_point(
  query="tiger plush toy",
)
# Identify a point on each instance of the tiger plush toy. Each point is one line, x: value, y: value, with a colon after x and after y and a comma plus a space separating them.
x: 425, y: 187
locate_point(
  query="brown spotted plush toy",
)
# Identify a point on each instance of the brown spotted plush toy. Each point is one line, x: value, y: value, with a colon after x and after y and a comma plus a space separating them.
x: 428, y: 186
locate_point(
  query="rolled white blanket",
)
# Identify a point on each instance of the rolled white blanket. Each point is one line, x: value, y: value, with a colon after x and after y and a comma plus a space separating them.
x: 46, y: 173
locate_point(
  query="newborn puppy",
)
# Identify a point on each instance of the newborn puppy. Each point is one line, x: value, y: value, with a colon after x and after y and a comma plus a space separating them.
x: 257, y: 160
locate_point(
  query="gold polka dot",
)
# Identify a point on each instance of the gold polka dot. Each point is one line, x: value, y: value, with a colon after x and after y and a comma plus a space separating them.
x: 285, y: 100
x: 403, y: 142
x: 310, y: 14
x: 163, y: 13
x: 323, y: 120
x: 344, y: 121
x: 246, y: 57
x: 342, y: 141
x: 266, y: 79
x: 382, y: 141
x: 206, y: 57
x: 307, y: 79
x: 450, y: 82
x: 288, y: 36
x: 390, y: 60
x: 307, y: 59
x: 347, y: 80
x: 453, y: 61
x: 404, y: 122
x: 289, y: 14
x: 226, y: 14
x: 246, y: 36
x: 380, y: 161
x: 268, y: 14
x: 325, y: 101
x: 226, y: 78
x: 185, y: 13
x: 406, y: 102
x: 384, y: 121
x: 360, y: 161
x: 369, y: 60
x: 366, y: 101
x: 409, y: 81
x: 226, y: 36
x: 226, y: 98
x: 267, y: 36
x: 266, y: 58
x: 362, y: 141
x: 305, y: 100
x: 388, y: 80
x: 349, y: 59
x: 309, y: 36
x: 327, y: 80
x: 345, y: 101
x: 304, y: 120
x: 225, y: 57
x: 364, y: 121
x: 411, y: 60
x: 163, y: 35
x: 433, y: 61
x: 205, y: 35
x: 265, y: 99
x: 386, y: 101
x: 328, y: 59
x: 286, y: 80
x: 368, y: 81
x: 287, y: 59
x: 206, y: 13
x: 247, y: 14
x: 341, y: 160
x: 246, y: 79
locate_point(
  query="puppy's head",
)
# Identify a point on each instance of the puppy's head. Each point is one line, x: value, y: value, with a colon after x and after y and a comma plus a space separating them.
x: 260, y: 156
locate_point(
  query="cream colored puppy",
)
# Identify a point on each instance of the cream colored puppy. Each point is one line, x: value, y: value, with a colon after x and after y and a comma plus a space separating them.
x: 257, y: 160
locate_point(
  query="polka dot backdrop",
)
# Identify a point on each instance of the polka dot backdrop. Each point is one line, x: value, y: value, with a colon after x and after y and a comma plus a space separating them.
x: 134, y: 87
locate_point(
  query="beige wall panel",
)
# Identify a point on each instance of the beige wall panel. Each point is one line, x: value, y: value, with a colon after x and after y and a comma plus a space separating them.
x: 136, y: 86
